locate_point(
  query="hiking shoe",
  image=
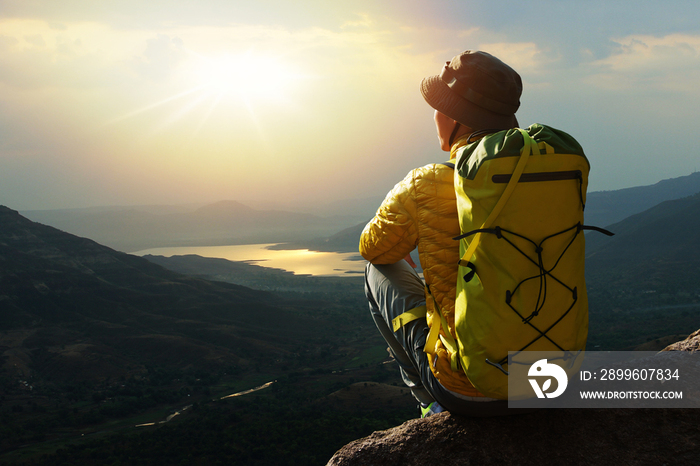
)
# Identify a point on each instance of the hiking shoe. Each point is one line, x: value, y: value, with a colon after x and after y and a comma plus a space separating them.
x: 429, y: 410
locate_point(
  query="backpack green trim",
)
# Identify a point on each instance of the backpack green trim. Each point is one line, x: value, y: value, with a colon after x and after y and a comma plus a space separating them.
x: 509, y: 143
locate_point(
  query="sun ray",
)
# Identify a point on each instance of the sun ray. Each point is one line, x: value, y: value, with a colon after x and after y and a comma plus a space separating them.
x: 215, y: 102
x: 245, y: 84
x: 258, y: 126
x: 157, y: 104
x: 184, y: 110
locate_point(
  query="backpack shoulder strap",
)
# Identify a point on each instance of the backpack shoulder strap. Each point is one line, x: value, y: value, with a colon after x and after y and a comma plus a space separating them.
x: 529, y: 147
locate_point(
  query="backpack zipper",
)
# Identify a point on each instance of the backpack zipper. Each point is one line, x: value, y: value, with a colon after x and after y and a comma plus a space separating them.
x: 547, y: 176
x: 543, y: 176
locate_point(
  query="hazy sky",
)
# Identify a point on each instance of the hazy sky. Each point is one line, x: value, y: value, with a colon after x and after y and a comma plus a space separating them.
x: 112, y: 102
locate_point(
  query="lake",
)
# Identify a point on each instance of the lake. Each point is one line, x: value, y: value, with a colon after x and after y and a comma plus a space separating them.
x: 299, y: 261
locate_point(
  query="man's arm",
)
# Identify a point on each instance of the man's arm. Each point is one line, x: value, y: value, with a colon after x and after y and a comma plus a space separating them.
x: 393, y: 232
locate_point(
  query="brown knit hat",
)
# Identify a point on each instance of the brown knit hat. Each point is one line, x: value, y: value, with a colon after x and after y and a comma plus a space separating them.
x: 477, y: 90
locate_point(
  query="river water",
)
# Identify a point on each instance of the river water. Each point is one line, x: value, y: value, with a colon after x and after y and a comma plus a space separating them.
x: 177, y: 413
x: 299, y: 261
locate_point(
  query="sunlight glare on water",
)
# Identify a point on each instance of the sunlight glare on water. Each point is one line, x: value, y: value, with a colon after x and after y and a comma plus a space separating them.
x: 299, y: 261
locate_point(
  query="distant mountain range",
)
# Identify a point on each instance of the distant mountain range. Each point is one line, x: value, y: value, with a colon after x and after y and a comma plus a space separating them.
x: 71, y: 308
x: 136, y: 228
x: 346, y: 240
x: 131, y: 229
x: 607, y: 207
x: 657, y: 249
x: 644, y: 282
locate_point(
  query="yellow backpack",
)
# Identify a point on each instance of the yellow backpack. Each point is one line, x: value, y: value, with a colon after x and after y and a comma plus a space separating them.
x: 521, y: 286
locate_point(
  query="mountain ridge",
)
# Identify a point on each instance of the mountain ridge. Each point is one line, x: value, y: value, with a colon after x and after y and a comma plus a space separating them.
x: 62, y: 291
x: 132, y: 229
x: 605, y: 208
x: 648, y: 246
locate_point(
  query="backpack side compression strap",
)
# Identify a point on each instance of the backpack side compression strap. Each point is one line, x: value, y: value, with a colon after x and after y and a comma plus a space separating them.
x: 408, y: 316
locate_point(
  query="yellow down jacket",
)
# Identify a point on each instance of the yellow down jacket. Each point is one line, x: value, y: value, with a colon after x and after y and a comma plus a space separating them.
x: 421, y: 211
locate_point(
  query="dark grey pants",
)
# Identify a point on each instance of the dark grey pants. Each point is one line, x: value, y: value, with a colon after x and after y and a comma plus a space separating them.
x: 392, y: 290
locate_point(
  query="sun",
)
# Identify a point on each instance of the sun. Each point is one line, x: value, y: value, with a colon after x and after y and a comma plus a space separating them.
x: 247, y: 82
x: 247, y: 76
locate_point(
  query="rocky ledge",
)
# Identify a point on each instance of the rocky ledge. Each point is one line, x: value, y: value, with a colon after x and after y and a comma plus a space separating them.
x: 548, y: 436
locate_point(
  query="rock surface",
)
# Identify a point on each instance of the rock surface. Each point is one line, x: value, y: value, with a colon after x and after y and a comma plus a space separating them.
x: 556, y: 437
x: 548, y: 436
x: 692, y: 343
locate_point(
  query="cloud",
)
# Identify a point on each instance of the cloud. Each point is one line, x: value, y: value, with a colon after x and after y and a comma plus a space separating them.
x: 36, y: 40
x: 364, y: 21
x: 524, y: 57
x: 35, y: 55
x: 668, y: 63
x: 7, y: 42
x: 162, y: 55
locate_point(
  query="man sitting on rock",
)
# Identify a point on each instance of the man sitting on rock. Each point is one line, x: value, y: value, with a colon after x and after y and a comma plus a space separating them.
x: 475, y: 91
